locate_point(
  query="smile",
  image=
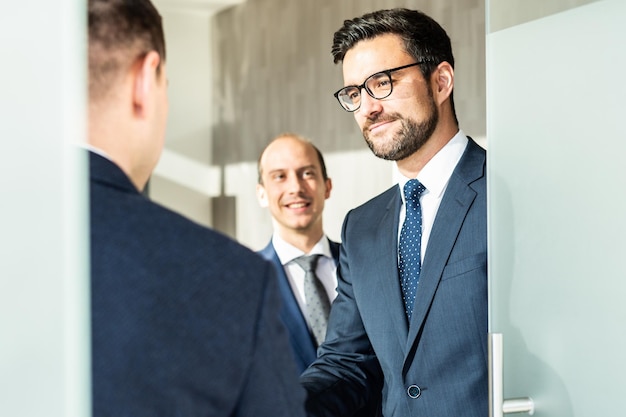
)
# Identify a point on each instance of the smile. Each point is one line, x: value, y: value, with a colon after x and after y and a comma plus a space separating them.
x: 297, y: 205
x: 378, y: 125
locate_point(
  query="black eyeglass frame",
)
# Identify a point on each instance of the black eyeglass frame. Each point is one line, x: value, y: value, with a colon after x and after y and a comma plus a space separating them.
x: 364, y: 86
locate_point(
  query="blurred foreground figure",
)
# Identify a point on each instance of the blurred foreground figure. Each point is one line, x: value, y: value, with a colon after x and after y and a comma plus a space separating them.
x: 184, y: 320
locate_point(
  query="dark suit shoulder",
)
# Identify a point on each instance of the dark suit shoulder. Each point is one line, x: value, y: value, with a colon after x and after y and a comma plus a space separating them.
x: 177, y: 304
x: 154, y: 265
x: 156, y: 234
x: 473, y: 162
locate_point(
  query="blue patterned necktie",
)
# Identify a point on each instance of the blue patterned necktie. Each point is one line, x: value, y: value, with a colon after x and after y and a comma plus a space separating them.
x: 409, y: 262
x: 317, y: 302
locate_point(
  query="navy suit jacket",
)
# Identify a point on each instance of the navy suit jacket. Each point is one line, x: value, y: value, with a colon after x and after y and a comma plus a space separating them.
x: 302, y: 341
x: 437, y: 365
x: 172, y: 333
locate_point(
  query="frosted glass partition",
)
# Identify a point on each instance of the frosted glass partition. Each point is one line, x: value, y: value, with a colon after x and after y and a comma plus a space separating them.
x: 44, y: 311
x: 556, y: 101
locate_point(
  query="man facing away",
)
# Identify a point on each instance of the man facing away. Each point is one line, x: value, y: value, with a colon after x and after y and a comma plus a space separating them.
x: 293, y: 184
x: 410, y: 317
x: 184, y: 321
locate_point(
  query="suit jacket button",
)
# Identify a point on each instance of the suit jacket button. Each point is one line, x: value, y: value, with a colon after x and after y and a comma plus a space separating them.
x: 414, y: 391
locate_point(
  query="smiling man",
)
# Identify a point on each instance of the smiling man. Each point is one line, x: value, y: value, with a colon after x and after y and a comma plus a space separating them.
x: 294, y: 185
x: 410, y: 317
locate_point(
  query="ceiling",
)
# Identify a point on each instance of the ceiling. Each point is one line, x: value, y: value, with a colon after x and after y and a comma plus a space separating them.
x: 210, y: 6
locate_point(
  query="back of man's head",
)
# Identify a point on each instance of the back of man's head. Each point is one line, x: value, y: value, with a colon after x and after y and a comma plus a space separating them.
x: 120, y: 32
x: 128, y: 103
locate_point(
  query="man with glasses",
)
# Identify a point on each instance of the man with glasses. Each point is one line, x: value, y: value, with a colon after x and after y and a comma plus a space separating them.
x: 410, y: 318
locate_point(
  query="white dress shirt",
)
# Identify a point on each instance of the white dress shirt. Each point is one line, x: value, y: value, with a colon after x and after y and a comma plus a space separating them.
x: 326, y: 269
x: 95, y: 150
x: 435, y: 177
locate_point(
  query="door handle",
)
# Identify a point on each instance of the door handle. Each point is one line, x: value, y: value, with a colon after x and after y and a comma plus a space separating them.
x: 498, y: 406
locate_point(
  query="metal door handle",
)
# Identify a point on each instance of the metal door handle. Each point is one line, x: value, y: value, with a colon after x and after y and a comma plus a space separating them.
x: 498, y: 406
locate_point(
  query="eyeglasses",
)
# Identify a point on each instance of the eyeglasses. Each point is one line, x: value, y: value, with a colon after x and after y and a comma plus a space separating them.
x: 378, y: 86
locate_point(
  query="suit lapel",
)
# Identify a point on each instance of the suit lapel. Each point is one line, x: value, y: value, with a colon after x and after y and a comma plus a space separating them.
x: 290, y: 313
x: 386, y: 266
x: 454, y: 207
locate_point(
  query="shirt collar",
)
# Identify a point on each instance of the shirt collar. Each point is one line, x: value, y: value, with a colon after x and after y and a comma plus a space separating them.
x: 436, y: 173
x: 95, y: 150
x: 287, y: 252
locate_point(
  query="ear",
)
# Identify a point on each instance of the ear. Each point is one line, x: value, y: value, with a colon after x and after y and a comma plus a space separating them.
x: 444, y: 81
x: 329, y: 187
x: 145, y: 79
x: 261, y: 195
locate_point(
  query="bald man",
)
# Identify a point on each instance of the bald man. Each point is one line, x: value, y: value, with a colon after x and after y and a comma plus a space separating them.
x: 293, y: 185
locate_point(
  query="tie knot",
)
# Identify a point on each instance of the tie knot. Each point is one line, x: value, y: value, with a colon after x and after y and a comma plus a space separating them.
x: 307, y: 262
x: 413, y: 189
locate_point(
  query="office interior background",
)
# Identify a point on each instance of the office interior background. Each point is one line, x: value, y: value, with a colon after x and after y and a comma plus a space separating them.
x: 240, y: 72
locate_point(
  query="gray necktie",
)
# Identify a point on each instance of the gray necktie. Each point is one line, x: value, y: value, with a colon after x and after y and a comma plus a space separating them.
x: 317, y: 302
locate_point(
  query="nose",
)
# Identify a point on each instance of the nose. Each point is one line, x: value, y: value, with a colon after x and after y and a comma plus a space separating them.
x: 294, y: 184
x: 369, y: 105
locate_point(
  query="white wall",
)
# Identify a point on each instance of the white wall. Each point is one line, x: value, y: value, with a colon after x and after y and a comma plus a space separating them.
x: 183, y: 179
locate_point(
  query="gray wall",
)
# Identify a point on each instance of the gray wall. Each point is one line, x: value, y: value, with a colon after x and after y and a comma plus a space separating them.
x: 274, y: 71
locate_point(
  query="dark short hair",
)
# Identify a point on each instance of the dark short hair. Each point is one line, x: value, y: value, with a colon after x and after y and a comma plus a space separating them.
x: 320, y: 157
x: 424, y: 39
x: 120, y: 31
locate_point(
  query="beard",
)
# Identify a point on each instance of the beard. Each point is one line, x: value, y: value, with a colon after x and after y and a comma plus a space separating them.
x: 409, y: 139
